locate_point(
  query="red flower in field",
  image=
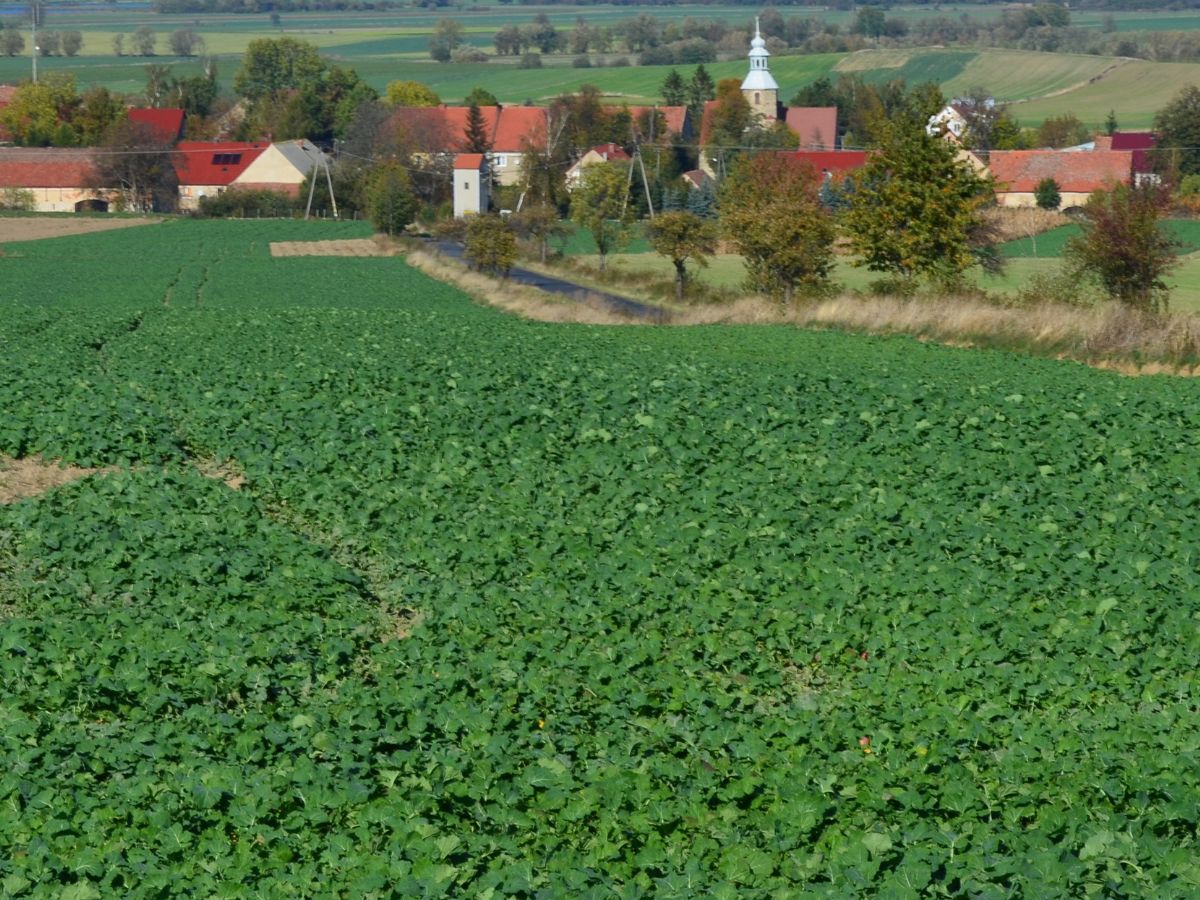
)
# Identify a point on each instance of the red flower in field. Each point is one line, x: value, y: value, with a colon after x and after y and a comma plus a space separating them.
x: 864, y: 742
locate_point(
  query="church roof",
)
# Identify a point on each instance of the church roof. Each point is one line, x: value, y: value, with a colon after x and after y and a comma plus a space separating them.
x: 760, y: 80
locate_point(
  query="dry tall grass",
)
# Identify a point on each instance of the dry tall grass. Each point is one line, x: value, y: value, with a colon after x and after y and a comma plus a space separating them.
x: 1109, y: 336
x: 1009, y: 224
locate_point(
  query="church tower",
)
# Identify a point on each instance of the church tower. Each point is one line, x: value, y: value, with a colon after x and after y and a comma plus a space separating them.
x: 759, y: 87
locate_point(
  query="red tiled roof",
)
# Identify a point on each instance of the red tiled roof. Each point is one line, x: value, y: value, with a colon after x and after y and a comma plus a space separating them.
x: 697, y: 177
x: 46, y: 167
x: 165, y: 125
x: 517, y: 125
x: 674, y: 117
x: 507, y: 127
x: 816, y: 126
x: 609, y: 151
x: 1019, y: 171
x: 204, y: 162
x: 833, y: 161
x: 473, y: 161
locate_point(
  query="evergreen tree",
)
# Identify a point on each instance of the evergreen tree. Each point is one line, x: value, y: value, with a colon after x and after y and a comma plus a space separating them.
x: 700, y: 90
x: 1047, y: 194
x: 1110, y: 123
x: 674, y: 91
x: 702, y: 201
x: 475, y: 138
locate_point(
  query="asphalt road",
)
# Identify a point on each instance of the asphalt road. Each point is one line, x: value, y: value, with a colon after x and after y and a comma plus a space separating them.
x: 565, y: 288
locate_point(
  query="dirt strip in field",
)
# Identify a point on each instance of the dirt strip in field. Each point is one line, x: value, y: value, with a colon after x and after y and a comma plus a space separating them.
x: 359, y: 247
x: 36, y: 228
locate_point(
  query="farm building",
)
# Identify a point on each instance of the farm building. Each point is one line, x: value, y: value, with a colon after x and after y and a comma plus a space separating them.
x: 1018, y: 172
x: 59, y: 179
x: 206, y: 169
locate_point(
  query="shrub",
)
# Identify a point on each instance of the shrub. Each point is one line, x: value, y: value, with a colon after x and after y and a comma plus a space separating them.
x: 240, y: 203
x: 582, y: 62
x: 491, y: 244
x: 530, y: 61
x: 17, y: 199
x: 1046, y: 194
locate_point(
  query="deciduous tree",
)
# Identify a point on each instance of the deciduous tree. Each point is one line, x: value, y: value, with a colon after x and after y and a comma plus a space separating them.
x: 144, y: 40
x: 12, y: 42
x: 491, y: 244
x: 185, y: 42
x: 1177, y: 152
x: 1121, y: 242
x: 480, y: 97
x: 916, y: 207
x: 600, y: 203
x: 447, y: 35
x: 389, y: 198
x: 273, y: 65
x: 37, y: 109
x: 72, y: 41
x: 680, y: 236
x: 139, y: 166
x: 411, y: 93
x: 538, y: 222
x: 771, y: 211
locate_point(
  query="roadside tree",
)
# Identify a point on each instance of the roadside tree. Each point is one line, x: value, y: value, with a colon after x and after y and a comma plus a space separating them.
x: 915, y: 211
x: 538, y: 222
x: 490, y: 245
x: 1122, y: 243
x: 600, y: 203
x: 680, y: 236
x: 771, y: 211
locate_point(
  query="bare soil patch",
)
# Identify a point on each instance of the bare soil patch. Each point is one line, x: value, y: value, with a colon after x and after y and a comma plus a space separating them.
x: 30, y: 477
x: 36, y: 228
x: 359, y: 247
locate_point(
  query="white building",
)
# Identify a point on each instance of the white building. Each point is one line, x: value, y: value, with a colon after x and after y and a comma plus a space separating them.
x: 472, y: 185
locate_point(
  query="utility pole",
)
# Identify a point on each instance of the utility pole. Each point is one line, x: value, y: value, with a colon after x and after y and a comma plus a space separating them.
x: 35, y: 12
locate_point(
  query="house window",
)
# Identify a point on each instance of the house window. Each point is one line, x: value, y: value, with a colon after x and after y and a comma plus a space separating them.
x: 501, y: 161
x: 226, y: 159
x: 756, y: 98
x: 466, y: 185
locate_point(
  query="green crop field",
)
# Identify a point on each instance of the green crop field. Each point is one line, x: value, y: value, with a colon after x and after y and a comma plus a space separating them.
x: 1135, y: 90
x: 507, y: 609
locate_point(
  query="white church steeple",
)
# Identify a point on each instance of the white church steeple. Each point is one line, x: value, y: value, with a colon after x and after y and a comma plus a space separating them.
x: 759, y: 87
